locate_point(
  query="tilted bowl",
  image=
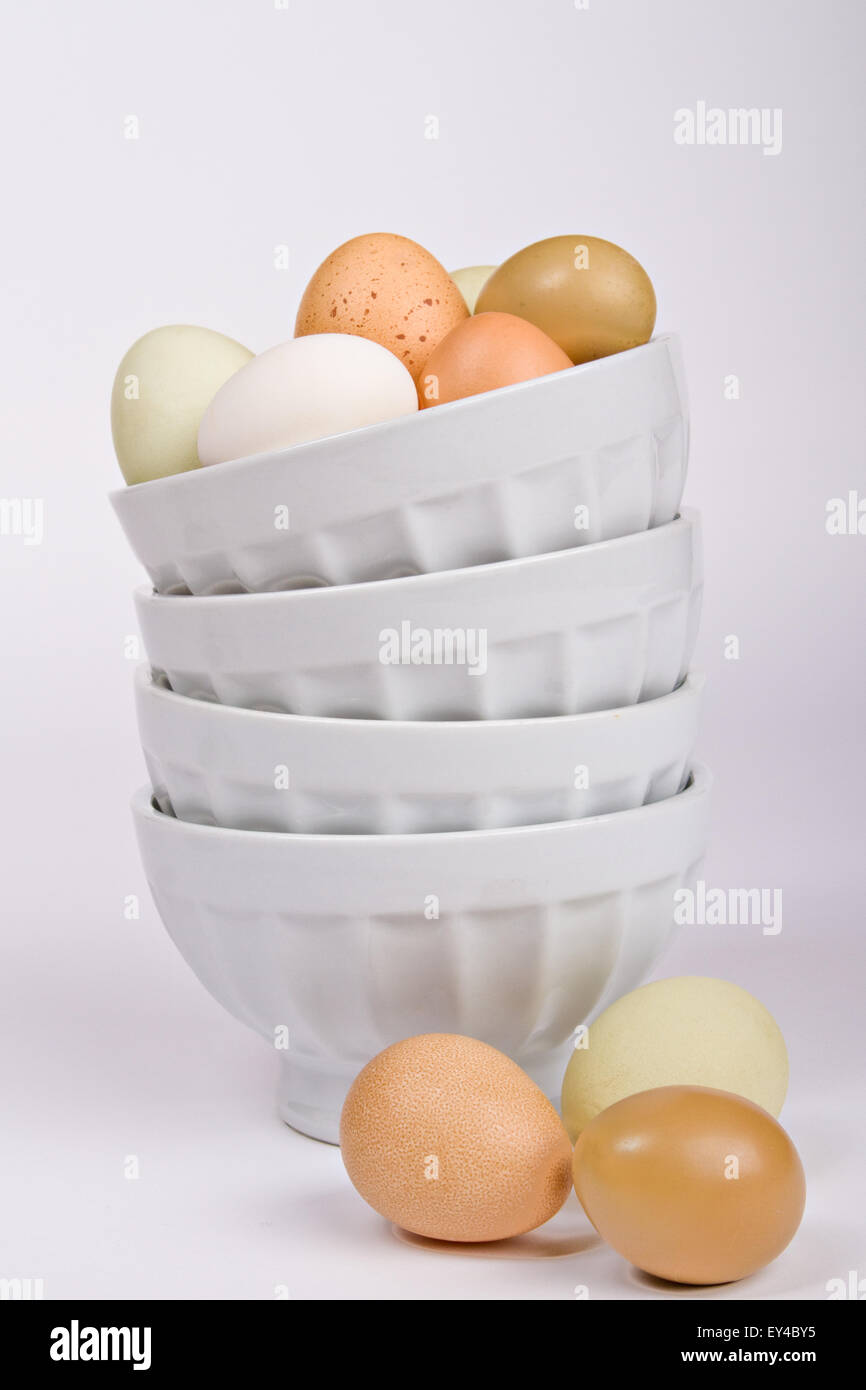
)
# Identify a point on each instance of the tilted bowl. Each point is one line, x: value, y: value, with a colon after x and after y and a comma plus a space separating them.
x: 592, y: 628
x: 587, y: 454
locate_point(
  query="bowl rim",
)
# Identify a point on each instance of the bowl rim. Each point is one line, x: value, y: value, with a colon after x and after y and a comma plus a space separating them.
x: 383, y: 427
x: 696, y: 789
x: 686, y: 520
x: 692, y: 685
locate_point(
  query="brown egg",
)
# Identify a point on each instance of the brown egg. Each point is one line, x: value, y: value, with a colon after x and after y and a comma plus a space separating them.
x: 387, y: 288
x: 589, y: 295
x: 690, y: 1184
x: 448, y: 1138
x: 485, y: 352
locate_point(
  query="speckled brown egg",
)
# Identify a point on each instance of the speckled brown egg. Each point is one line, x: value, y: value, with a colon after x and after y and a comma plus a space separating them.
x: 387, y: 288
x: 449, y: 1138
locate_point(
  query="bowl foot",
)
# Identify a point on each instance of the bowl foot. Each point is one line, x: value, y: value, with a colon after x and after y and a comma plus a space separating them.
x: 310, y: 1097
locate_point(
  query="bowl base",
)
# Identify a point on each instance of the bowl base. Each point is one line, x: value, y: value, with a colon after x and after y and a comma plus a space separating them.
x: 310, y: 1097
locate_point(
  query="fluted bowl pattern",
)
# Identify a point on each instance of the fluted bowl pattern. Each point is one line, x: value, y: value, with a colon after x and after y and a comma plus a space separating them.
x: 592, y: 628
x: 584, y: 455
x: 332, y: 947
x: 254, y: 770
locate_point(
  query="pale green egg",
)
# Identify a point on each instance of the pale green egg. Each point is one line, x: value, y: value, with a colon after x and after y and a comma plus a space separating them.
x: 469, y: 281
x: 686, y: 1031
x: 163, y: 386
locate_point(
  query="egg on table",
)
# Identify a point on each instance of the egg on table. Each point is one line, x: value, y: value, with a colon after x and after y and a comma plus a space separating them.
x: 689, y: 1030
x: 386, y: 288
x: 161, y: 390
x: 690, y: 1184
x: 484, y: 353
x: 304, y: 389
x: 589, y: 295
x: 450, y: 1139
x: 469, y: 280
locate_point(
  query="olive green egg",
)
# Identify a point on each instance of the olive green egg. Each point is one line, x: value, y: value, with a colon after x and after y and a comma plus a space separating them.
x: 588, y: 295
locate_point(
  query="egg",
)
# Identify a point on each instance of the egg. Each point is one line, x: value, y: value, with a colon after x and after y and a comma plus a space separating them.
x: 387, y: 288
x: 690, y: 1184
x: 469, y: 281
x: 161, y: 390
x: 304, y: 389
x: 486, y: 352
x: 688, y: 1030
x: 448, y: 1138
x: 589, y: 295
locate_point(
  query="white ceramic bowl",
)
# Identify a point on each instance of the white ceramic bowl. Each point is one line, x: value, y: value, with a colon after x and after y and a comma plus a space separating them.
x: 250, y: 770
x: 493, y: 477
x: 341, y: 944
x: 587, y: 629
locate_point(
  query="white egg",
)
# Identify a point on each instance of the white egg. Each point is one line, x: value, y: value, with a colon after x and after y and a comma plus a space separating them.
x: 306, y: 388
x: 162, y: 388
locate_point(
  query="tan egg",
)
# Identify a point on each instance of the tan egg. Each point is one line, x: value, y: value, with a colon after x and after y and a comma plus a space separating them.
x: 485, y: 352
x: 449, y: 1138
x: 162, y: 388
x: 589, y: 295
x: 387, y: 288
x: 469, y: 281
x: 689, y: 1030
x: 690, y: 1184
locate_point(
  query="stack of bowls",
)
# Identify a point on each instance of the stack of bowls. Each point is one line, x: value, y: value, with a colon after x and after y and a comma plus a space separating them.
x: 419, y: 723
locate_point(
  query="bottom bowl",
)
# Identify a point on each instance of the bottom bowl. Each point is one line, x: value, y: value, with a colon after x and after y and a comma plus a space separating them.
x: 333, y: 946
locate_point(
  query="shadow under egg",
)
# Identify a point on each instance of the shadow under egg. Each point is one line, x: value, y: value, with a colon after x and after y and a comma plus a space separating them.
x: 533, y: 1245
x: 652, y: 1283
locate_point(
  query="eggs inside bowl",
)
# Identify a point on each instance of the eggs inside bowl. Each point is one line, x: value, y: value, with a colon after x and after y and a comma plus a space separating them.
x: 186, y: 396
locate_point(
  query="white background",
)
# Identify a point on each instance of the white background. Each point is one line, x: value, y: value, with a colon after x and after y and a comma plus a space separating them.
x: 305, y: 126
